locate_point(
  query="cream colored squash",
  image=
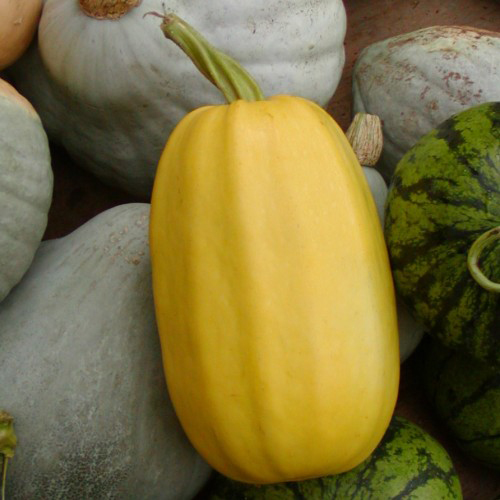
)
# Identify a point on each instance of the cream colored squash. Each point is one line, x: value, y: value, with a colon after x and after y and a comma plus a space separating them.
x: 111, y: 91
x: 18, y: 23
x: 26, y: 184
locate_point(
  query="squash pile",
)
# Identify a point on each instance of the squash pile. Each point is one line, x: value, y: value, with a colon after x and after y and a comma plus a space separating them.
x: 236, y: 330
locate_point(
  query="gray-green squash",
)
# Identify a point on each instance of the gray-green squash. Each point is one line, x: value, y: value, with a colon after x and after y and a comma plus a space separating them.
x: 414, y: 81
x: 81, y: 372
x: 26, y: 184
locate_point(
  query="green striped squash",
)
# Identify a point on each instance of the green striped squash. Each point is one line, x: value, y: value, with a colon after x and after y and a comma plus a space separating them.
x: 408, y: 463
x: 465, y: 394
x: 442, y: 227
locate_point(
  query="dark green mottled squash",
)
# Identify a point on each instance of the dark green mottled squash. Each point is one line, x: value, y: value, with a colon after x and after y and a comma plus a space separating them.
x: 81, y: 372
x: 408, y: 463
x: 442, y: 227
x: 465, y: 394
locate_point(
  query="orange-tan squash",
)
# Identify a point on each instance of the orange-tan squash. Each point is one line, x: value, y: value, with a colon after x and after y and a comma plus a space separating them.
x: 18, y: 23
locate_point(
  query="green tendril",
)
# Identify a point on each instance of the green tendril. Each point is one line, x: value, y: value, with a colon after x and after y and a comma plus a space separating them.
x: 474, y: 254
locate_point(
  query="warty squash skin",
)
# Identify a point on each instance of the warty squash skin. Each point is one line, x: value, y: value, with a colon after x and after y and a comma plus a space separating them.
x: 273, y: 292
x: 81, y: 372
x: 26, y: 185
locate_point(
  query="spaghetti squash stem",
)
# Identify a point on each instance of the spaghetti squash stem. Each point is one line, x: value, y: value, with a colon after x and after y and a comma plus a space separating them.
x: 473, y: 259
x: 220, y: 69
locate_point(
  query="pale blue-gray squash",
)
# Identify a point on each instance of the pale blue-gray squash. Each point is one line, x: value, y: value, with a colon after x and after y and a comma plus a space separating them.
x: 414, y: 81
x: 81, y: 372
x: 26, y: 184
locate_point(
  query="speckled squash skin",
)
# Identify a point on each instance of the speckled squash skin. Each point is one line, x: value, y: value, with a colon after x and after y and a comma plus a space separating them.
x: 26, y: 184
x: 113, y: 109
x: 465, y: 394
x: 81, y: 372
x: 415, y: 81
x: 408, y: 463
x: 444, y: 194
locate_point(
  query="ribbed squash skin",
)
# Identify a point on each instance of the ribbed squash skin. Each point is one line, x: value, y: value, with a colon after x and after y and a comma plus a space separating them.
x: 407, y: 464
x: 26, y: 185
x: 273, y: 292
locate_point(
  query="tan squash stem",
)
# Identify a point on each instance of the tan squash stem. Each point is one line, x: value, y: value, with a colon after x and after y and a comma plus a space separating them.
x: 473, y: 259
x: 8, y: 443
x: 220, y: 69
x: 365, y: 136
x: 107, y: 9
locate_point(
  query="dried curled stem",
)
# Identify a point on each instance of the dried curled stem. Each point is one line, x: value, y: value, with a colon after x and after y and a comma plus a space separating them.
x: 366, y: 139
